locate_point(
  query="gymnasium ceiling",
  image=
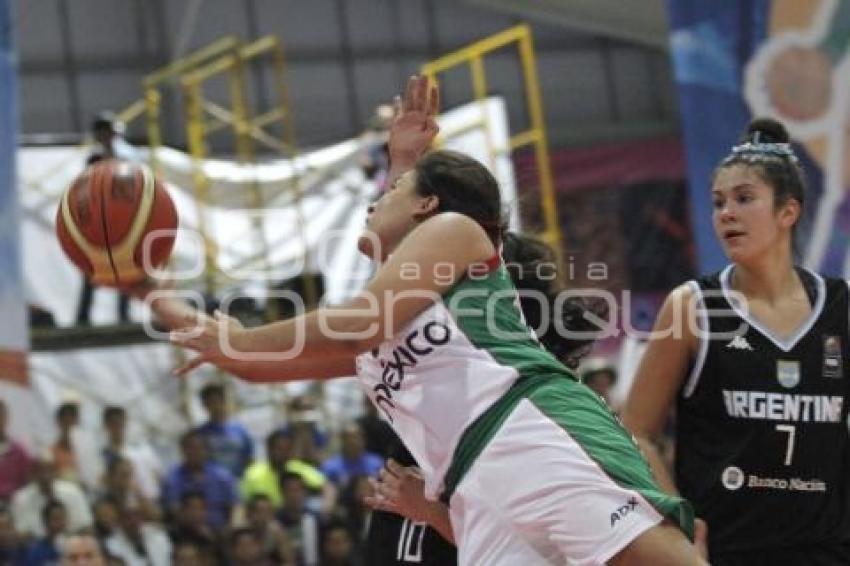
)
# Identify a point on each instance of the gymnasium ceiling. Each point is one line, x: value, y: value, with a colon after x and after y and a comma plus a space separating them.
x: 604, y: 70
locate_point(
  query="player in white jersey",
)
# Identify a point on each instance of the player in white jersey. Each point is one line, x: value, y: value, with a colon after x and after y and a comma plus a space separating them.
x: 535, y: 468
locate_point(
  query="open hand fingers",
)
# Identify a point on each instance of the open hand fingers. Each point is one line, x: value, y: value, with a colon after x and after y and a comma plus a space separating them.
x: 226, y: 320
x: 201, y: 337
x: 189, y: 366
x: 421, y: 94
x: 397, y: 106
x: 433, y: 100
x: 418, y: 97
x: 409, y: 94
x: 393, y: 467
x: 380, y: 504
x: 386, y: 490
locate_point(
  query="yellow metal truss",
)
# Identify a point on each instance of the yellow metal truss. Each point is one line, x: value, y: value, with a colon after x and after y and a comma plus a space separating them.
x: 535, y: 136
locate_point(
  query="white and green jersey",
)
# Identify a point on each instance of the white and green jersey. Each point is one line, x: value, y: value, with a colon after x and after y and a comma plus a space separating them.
x: 455, y: 360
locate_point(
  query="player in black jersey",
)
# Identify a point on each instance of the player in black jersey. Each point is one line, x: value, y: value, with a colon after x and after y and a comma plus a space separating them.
x: 755, y: 359
x: 394, y: 539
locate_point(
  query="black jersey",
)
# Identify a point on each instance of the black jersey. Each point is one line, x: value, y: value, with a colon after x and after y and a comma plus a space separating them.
x: 393, y: 540
x: 762, y: 428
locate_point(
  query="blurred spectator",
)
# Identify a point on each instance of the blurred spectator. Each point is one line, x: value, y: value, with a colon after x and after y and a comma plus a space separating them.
x: 353, y: 460
x: 300, y: 524
x: 108, y: 133
x: 62, y: 451
x: 82, y: 550
x: 375, y: 159
x: 15, y: 464
x: 306, y: 425
x: 138, y: 542
x: 600, y: 376
x: 263, y: 478
x: 355, y: 512
x: 119, y: 484
x: 378, y: 435
x: 45, y: 551
x: 147, y: 467
x: 198, y: 474
x: 273, y: 539
x: 28, y: 501
x: 40, y: 317
x: 229, y: 443
x: 186, y: 553
x: 245, y: 548
x: 105, y: 519
x: 338, y: 546
x: 192, y: 527
x: 12, y: 548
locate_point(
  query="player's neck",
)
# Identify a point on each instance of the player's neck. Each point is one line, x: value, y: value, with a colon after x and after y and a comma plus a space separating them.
x: 769, y: 278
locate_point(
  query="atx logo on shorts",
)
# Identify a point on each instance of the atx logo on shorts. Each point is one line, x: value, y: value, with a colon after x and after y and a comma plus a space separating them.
x: 623, y: 510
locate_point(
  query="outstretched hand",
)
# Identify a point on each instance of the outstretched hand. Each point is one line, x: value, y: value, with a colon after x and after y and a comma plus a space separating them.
x: 414, y: 126
x: 400, y: 490
x: 207, y: 335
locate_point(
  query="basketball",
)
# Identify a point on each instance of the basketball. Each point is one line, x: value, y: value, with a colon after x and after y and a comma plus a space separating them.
x: 114, y: 221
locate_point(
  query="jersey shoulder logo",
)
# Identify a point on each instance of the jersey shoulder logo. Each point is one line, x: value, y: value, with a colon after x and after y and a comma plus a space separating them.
x: 739, y: 343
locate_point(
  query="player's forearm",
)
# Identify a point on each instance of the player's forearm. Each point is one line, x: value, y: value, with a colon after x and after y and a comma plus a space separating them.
x: 659, y: 468
x: 399, y: 165
x: 326, y: 332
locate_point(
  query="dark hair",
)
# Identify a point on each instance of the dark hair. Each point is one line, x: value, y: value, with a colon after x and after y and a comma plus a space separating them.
x: 193, y: 433
x: 290, y: 476
x: 257, y: 498
x: 104, y: 121
x: 112, y: 411
x: 462, y: 185
x: 240, y: 532
x: 212, y: 389
x: 190, y: 495
x: 69, y: 408
x: 334, y: 524
x: 108, y: 499
x: 116, y: 461
x: 763, y: 147
x: 278, y: 434
x: 49, y: 508
x: 526, y: 259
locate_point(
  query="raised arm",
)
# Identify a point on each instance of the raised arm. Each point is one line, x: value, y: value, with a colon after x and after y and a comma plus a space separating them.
x: 414, y: 126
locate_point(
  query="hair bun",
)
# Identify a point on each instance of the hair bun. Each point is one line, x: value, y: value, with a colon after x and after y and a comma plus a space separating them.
x: 768, y: 130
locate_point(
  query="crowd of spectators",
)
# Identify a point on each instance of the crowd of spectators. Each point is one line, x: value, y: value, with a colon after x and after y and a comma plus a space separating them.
x: 297, y: 501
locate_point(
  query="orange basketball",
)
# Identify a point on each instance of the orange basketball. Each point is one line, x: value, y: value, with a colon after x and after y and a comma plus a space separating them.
x: 113, y: 215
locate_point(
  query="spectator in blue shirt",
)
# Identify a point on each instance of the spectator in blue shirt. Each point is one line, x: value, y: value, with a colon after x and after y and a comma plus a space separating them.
x: 13, y: 551
x: 199, y: 474
x: 353, y: 460
x: 230, y: 444
x: 45, y: 551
